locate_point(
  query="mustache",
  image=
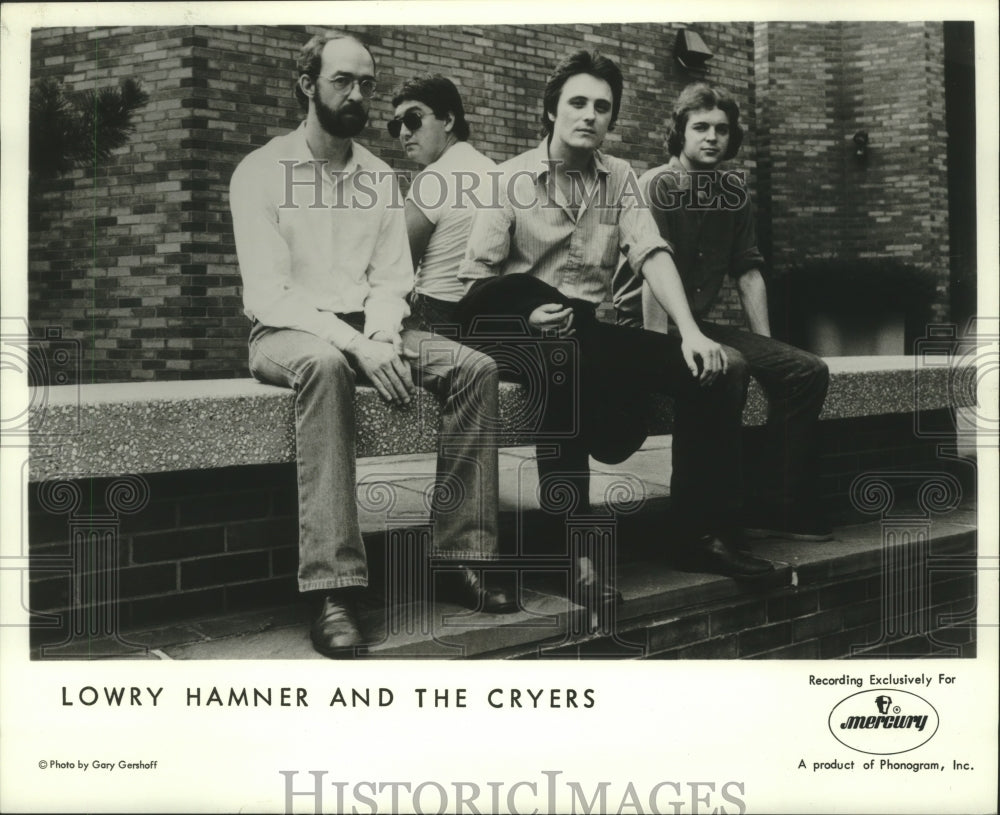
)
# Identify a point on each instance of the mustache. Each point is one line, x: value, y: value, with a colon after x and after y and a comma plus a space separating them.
x: 354, y: 108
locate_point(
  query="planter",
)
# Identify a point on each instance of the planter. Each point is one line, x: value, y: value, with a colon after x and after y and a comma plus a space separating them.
x: 857, y: 334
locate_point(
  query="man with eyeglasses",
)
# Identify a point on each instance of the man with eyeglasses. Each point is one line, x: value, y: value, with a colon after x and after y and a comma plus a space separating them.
x: 326, y: 269
x: 430, y: 124
x: 706, y: 214
x: 547, y: 253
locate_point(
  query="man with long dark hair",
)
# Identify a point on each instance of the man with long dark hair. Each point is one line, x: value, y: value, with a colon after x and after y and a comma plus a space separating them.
x: 706, y: 215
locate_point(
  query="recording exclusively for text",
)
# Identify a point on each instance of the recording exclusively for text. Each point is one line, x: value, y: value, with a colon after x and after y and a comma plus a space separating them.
x: 877, y: 680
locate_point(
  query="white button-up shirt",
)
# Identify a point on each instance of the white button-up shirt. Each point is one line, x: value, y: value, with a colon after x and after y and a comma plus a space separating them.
x: 312, y: 244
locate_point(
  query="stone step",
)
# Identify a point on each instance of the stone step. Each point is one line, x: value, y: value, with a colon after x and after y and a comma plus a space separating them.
x: 845, y: 597
x: 399, y: 487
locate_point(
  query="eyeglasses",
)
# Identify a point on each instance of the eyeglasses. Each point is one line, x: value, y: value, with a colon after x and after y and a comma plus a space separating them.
x: 413, y: 119
x: 343, y: 83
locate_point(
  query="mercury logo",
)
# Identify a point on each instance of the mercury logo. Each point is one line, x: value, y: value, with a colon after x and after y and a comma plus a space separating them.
x: 883, y: 702
x: 883, y: 722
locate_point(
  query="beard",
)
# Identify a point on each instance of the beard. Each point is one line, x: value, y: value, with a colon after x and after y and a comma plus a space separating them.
x: 349, y: 120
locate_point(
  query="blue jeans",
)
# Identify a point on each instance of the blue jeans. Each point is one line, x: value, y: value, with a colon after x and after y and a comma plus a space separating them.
x: 795, y: 383
x: 464, y: 502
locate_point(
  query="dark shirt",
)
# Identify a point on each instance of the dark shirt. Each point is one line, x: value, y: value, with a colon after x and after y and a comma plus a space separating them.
x: 708, y: 219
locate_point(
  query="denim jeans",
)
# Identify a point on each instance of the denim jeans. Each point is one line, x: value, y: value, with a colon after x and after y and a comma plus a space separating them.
x: 795, y: 383
x: 464, y: 501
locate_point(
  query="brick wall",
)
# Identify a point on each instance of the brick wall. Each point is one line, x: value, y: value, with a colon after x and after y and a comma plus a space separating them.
x: 208, y: 541
x: 828, y: 616
x: 818, y: 84
x: 135, y: 258
x: 108, y: 256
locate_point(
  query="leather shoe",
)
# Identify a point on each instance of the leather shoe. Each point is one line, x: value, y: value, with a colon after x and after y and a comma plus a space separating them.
x: 463, y: 587
x: 335, y: 633
x: 712, y: 554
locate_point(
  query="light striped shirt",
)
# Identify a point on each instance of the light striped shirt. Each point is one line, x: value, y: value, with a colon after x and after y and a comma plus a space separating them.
x: 534, y: 231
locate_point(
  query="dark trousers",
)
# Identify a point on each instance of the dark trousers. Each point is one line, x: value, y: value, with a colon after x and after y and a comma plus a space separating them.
x: 430, y: 314
x: 622, y: 366
x: 617, y: 368
x: 783, y: 468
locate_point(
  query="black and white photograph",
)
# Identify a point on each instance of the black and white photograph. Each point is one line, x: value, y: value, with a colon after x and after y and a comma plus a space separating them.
x: 334, y: 435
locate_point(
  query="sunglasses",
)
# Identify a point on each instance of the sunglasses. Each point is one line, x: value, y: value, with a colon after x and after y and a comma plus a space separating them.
x: 413, y: 120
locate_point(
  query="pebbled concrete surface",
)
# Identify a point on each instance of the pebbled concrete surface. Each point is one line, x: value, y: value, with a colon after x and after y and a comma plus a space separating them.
x: 113, y: 429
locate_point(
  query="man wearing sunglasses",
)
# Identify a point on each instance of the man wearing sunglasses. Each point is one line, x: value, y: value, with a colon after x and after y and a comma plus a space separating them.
x: 323, y: 254
x: 430, y: 124
x: 547, y: 253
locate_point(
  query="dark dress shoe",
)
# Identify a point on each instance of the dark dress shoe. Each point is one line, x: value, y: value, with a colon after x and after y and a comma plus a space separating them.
x: 463, y: 587
x: 336, y: 633
x: 714, y: 555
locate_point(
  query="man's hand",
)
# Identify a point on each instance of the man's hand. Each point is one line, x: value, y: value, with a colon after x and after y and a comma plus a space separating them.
x: 553, y: 317
x: 384, y: 362
x: 699, y: 349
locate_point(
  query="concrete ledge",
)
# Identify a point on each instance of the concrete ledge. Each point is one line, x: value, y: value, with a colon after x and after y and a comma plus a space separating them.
x: 114, y: 429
